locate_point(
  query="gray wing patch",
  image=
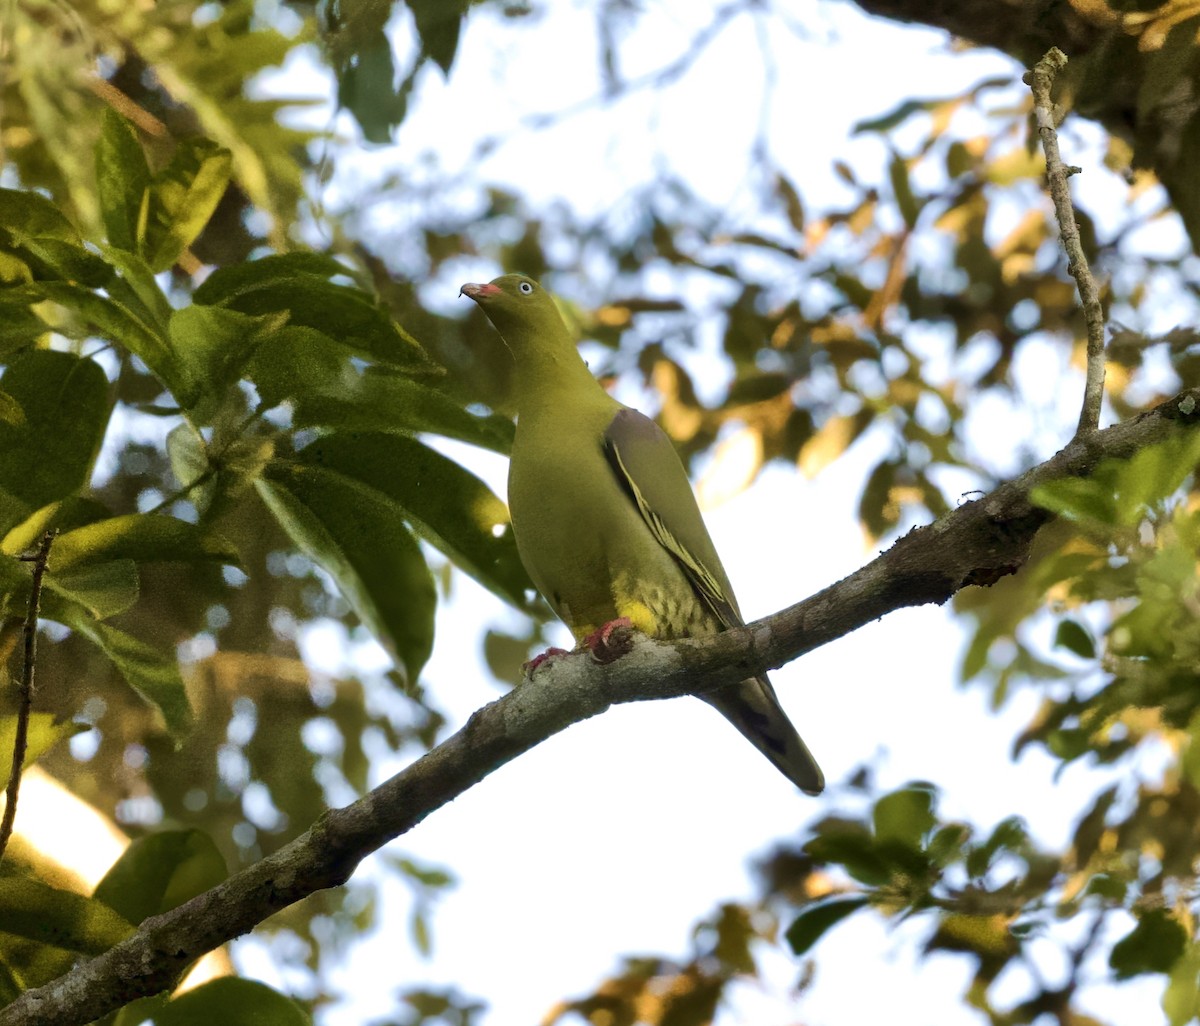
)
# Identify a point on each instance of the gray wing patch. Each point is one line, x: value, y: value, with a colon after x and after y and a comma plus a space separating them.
x: 650, y: 473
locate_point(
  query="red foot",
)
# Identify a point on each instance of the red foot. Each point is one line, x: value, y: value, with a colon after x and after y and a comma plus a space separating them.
x: 604, y: 646
x: 530, y: 667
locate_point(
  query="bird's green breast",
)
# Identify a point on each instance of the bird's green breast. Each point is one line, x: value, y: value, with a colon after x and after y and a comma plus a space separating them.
x: 581, y: 537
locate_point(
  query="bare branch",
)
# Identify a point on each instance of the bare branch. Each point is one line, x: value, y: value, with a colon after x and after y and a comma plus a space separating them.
x: 978, y: 543
x: 1040, y: 80
x: 25, y: 692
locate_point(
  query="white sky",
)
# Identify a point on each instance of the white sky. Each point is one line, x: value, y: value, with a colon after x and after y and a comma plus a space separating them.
x: 616, y: 836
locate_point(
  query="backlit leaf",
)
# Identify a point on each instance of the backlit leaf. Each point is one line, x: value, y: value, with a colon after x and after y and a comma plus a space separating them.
x: 445, y: 504
x: 62, y: 919
x: 122, y: 178
x: 817, y: 919
x: 360, y: 537
x: 231, y: 1001
x: 1153, y: 946
x: 159, y: 871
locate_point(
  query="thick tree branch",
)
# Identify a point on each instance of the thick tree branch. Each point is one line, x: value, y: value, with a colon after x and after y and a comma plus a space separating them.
x: 1040, y: 80
x: 1025, y: 29
x: 978, y: 543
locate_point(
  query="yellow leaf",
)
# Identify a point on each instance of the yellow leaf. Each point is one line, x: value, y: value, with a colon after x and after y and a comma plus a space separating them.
x: 829, y: 442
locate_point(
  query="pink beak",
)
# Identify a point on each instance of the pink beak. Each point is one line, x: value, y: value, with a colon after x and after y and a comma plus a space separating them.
x: 477, y: 292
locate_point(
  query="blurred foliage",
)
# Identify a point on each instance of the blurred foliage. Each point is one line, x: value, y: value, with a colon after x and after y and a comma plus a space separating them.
x: 660, y: 992
x: 230, y: 425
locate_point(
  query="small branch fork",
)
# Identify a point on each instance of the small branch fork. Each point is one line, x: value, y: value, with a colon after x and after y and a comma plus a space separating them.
x: 25, y: 695
x: 1040, y: 80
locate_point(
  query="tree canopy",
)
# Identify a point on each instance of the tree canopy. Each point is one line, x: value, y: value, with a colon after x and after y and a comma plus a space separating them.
x: 229, y: 383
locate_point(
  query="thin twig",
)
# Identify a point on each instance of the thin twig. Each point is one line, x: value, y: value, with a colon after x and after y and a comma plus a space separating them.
x: 126, y: 106
x: 1040, y: 80
x: 25, y: 695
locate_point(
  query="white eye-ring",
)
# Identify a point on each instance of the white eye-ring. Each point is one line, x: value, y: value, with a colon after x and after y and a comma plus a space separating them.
x: 526, y: 287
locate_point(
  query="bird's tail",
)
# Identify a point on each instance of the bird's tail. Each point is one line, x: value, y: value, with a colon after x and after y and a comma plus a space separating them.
x: 753, y: 708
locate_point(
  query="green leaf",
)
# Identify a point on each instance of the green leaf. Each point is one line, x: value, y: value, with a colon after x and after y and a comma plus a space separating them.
x: 53, y: 259
x: 367, y: 87
x: 14, y: 587
x: 1069, y: 743
x: 154, y: 675
x: 14, y: 982
x: 1009, y: 835
x: 905, y: 816
x: 32, y: 215
x: 850, y: 845
x: 989, y: 937
x: 298, y: 284
x: 104, y: 589
x: 138, y: 1011
x: 789, y: 197
x: 189, y: 463
x: 884, y: 124
x: 425, y: 876
x: 43, y: 733
x: 1152, y: 474
x: 62, y: 919
x: 1112, y: 889
x: 143, y: 538
x: 15, y: 269
x: 183, y: 197
x: 1075, y: 638
x: 421, y: 938
x: 975, y: 657
x: 10, y: 411
x: 314, y: 373
x: 818, y: 918
x: 1076, y: 498
x: 910, y: 208
x: 1092, y: 826
x: 1153, y: 946
x: 231, y: 1001
x: 122, y: 179
x: 113, y: 321
x: 295, y: 362
x: 211, y: 345
x: 360, y: 538
x: 19, y: 325
x: 384, y: 401
x: 137, y: 289
x: 160, y: 871
x: 448, y: 506
x: 64, y: 400
x: 227, y: 284
x: 1190, y: 761
x: 946, y: 844
x: 438, y: 26
x: 1182, y: 995
x: 875, y: 510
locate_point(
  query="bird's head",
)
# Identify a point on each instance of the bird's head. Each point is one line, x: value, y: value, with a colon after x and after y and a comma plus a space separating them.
x: 522, y: 311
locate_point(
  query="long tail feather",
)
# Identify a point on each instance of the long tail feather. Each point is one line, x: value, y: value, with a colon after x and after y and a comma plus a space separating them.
x: 754, y: 709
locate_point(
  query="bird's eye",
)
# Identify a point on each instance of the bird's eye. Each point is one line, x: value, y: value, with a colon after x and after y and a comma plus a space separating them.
x: 526, y: 288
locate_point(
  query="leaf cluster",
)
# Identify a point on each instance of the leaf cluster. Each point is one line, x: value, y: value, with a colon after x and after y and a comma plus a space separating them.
x: 294, y: 413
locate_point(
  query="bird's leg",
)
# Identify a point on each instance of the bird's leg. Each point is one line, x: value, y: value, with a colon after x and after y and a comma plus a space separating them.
x: 610, y: 641
x: 606, y: 643
x: 530, y: 667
